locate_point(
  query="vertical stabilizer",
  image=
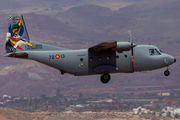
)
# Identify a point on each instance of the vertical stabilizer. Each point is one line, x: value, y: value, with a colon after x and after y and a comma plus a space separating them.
x: 17, y: 35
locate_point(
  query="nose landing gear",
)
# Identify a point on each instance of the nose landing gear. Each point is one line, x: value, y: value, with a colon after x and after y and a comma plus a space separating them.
x: 105, y: 78
x: 167, y: 73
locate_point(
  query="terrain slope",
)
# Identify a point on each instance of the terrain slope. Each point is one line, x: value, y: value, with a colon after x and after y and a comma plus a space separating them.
x: 9, y: 114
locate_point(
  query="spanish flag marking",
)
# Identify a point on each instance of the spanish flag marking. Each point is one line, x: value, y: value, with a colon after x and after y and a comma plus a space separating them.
x: 57, y: 56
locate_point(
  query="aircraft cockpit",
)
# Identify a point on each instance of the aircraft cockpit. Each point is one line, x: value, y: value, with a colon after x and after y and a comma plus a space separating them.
x: 154, y: 52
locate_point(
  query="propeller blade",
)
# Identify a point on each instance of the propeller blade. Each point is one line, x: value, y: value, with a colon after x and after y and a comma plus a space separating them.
x: 132, y: 45
x: 132, y: 50
x: 132, y: 58
x: 131, y: 39
x: 130, y: 36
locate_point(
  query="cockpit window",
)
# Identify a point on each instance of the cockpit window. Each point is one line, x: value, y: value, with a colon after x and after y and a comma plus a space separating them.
x: 154, y: 52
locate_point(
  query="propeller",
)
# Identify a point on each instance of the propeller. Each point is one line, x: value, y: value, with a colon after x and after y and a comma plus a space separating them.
x: 132, y: 50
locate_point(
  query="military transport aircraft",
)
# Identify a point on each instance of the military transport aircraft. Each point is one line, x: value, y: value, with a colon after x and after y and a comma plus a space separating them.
x: 104, y: 58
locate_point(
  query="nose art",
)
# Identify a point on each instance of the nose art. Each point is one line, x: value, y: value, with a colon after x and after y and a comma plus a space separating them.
x: 174, y: 59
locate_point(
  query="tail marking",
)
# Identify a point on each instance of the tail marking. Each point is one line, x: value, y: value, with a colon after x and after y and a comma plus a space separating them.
x: 16, y: 35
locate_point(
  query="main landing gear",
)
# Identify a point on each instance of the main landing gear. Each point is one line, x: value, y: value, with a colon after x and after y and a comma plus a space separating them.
x: 167, y: 73
x: 105, y: 78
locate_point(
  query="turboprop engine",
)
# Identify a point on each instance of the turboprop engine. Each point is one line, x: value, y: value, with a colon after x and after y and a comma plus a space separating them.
x: 123, y: 46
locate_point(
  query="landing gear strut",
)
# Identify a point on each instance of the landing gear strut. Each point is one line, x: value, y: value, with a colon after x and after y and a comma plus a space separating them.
x: 105, y: 78
x: 167, y: 73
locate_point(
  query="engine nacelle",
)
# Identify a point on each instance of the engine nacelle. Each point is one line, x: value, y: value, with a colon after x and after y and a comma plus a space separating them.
x: 123, y: 46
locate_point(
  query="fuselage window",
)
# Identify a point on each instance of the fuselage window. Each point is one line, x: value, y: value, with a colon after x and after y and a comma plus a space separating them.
x: 158, y: 51
x: 161, y: 51
x: 81, y: 59
x: 154, y: 52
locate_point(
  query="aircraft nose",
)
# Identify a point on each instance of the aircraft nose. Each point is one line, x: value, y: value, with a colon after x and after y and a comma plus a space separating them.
x: 168, y: 60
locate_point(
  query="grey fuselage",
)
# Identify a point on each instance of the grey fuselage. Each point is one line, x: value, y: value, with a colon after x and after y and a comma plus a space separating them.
x: 103, y: 58
x: 84, y: 62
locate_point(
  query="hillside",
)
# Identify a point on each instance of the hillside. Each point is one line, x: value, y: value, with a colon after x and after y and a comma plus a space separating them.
x: 53, y: 7
x: 152, y: 21
x: 9, y: 114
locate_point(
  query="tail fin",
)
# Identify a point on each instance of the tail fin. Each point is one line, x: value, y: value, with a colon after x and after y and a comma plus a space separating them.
x: 17, y: 35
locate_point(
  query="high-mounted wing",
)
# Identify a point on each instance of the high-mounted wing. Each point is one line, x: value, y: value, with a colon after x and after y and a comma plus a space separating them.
x: 115, y: 46
x: 103, y: 46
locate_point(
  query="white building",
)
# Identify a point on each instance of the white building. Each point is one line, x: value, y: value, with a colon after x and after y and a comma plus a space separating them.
x: 177, y: 111
x: 6, y: 96
x: 76, y: 106
x: 139, y: 110
x: 172, y: 110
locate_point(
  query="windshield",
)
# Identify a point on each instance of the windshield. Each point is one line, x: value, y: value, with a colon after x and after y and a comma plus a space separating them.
x: 154, y: 52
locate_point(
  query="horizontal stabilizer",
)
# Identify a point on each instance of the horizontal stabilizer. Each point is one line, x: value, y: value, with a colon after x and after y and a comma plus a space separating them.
x: 17, y: 55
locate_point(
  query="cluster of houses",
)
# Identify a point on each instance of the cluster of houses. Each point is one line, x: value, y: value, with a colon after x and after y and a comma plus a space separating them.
x: 172, y: 110
x: 147, y: 103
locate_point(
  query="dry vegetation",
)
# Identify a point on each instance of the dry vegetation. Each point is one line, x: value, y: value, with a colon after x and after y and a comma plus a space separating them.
x: 10, y: 114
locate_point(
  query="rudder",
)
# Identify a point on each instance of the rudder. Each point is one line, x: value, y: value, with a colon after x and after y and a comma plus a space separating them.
x: 17, y: 34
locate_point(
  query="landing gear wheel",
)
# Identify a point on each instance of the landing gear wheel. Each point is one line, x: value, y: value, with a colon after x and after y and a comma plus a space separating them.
x: 166, y: 73
x: 105, y: 78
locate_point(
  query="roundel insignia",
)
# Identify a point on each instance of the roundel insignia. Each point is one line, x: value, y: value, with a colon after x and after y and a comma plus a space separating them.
x: 57, y: 56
